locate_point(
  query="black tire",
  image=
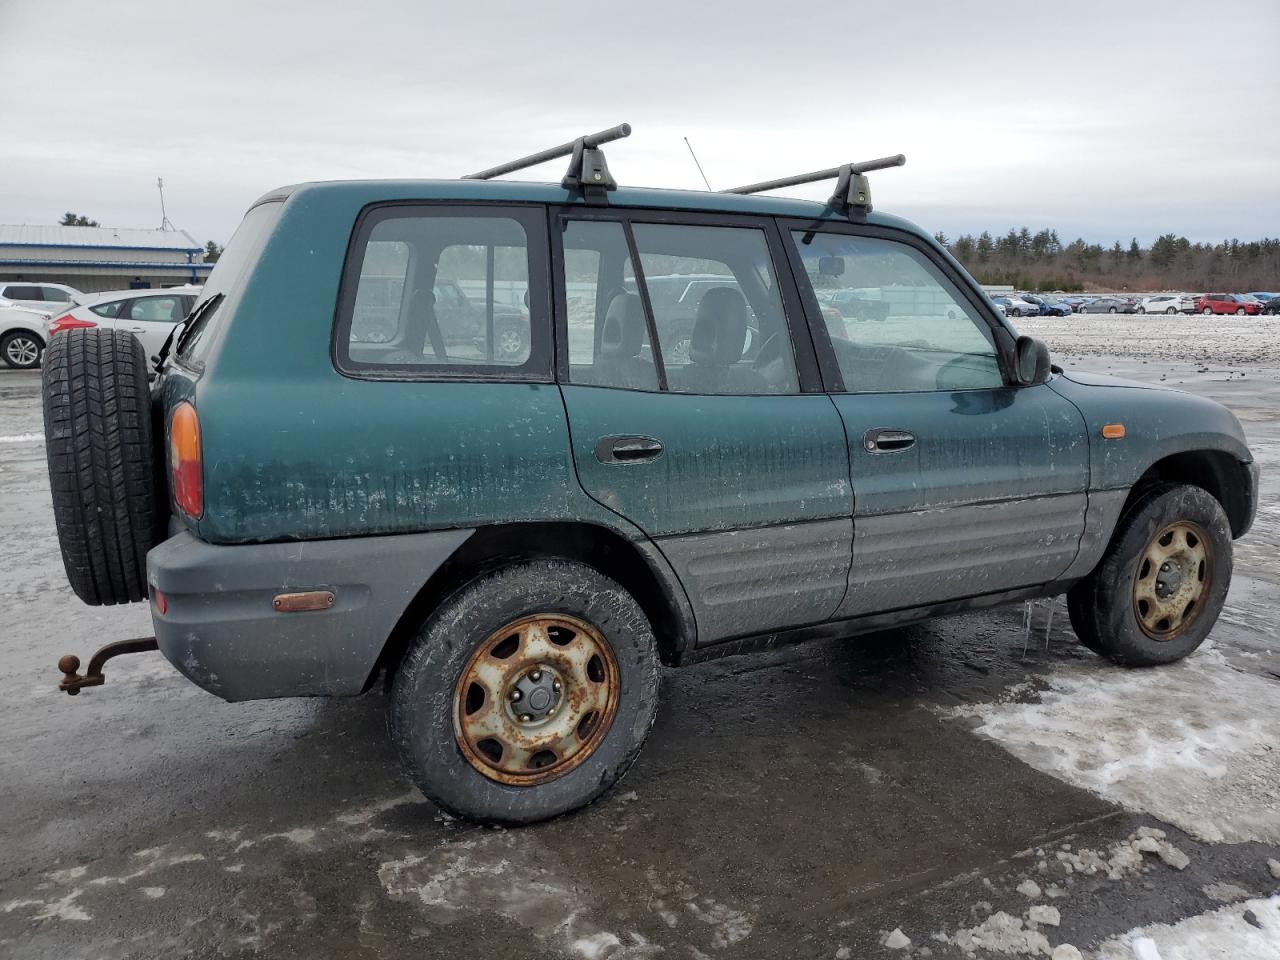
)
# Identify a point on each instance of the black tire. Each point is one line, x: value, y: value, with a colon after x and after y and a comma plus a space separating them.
x: 1171, y: 311
x: 1102, y: 607
x: 1208, y: 312
x: 1241, y: 312
x: 1111, y: 310
x: 21, y: 349
x: 422, y: 695
x: 512, y: 343
x: 1142, y: 310
x: 102, y: 471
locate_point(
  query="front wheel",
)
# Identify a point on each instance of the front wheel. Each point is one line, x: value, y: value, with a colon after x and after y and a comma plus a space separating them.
x: 1112, y: 310
x: 1240, y: 312
x: 1162, y: 581
x: 1142, y: 309
x: 1171, y: 311
x: 1207, y: 312
x: 527, y: 694
x: 21, y: 350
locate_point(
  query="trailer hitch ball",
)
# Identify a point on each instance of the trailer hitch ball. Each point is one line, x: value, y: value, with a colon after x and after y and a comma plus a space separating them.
x: 72, y: 681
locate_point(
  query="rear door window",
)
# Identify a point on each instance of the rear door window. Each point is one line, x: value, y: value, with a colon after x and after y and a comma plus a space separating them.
x: 457, y: 291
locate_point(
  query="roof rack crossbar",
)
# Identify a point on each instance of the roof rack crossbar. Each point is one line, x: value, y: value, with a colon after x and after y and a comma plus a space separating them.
x: 852, y: 193
x: 831, y: 173
x: 575, y: 148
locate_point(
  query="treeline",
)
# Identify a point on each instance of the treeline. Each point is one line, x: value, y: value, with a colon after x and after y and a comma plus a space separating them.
x: 1040, y: 261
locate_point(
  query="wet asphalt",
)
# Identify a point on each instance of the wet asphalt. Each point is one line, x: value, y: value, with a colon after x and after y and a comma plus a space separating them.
x: 801, y: 803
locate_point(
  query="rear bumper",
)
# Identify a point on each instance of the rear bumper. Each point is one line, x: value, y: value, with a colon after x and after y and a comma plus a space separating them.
x: 220, y: 630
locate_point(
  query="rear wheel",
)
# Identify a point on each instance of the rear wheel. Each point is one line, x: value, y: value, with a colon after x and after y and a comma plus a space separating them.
x: 1142, y: 309
x: 1162, y: 581
x: 1240, y: 312
x: 21, y: 350
x: 102, y: 470
x: 1111, y: 310
x: 527, y: 694
x: 1171, y: 310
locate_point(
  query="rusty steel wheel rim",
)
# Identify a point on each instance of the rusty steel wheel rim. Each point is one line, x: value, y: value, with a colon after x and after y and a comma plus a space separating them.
x: 535, y: 699
x: 1173, y: 579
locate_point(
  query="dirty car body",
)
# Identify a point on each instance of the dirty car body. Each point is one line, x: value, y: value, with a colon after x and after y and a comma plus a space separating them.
x: 743, y: 491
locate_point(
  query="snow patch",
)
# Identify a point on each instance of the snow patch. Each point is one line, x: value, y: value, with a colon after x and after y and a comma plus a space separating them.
x: 1223, y: 934
x: 1192, y: 743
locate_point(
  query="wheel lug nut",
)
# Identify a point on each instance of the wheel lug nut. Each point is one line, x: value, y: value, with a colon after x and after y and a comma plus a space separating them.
x: 535, y: 676
x: 525, y: 718
x: 555, y: 685
x: 515, y: 695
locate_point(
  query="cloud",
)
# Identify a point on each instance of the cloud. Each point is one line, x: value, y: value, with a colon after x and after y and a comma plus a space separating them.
x: 1107, y: 120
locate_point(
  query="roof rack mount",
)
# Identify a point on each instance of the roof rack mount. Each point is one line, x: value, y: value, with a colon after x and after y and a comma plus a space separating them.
x: 587, y: 171
x: 852, y: 193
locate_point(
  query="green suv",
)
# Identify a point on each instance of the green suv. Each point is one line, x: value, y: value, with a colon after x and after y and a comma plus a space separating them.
x: 323, y: 487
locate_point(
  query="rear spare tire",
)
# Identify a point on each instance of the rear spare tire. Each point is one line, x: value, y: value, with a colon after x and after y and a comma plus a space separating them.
x: 102, y: 468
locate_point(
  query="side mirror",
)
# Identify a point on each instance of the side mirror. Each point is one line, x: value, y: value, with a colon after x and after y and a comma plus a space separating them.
x: 1031, y: 361
x: 831, y: 266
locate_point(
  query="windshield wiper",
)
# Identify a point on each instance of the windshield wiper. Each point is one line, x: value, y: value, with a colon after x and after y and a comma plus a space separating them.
x: 180, y: 330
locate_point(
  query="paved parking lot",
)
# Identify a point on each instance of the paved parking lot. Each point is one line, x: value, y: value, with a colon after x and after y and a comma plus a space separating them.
x: 967, y: 783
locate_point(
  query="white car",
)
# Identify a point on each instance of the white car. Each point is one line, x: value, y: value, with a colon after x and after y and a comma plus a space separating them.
x: 22, y: 336
x: 148, y: 314
x: 1168, y: 303
x: 41, y: 296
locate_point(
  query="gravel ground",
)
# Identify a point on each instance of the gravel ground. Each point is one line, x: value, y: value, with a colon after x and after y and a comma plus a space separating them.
x: 980, y: 786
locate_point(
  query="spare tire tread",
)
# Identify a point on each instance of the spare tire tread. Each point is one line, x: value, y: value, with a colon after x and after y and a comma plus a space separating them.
x: 98, y: 441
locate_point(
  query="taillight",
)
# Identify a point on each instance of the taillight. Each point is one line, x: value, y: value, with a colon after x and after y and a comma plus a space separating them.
x: 185, y: 466
x: 68, y: 322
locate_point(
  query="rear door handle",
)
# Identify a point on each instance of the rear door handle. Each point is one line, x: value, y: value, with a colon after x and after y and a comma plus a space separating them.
x: 629, y: 449
x: 887, y: 440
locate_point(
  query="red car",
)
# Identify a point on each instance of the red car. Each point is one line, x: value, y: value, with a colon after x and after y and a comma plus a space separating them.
x: 1227, y: 303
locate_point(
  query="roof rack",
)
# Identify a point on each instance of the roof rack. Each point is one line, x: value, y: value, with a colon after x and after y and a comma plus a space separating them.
x: 852, y: 193
x: 587, y: 171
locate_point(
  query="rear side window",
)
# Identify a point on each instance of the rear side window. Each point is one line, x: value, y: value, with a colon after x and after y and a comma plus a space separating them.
x: 433, y: 291
x: 23, y: 293
x: 241, y: 252
x: 110, y: 309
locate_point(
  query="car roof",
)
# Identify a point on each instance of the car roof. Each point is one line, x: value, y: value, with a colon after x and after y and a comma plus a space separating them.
x: 522, y: 191
x: 107, y: 296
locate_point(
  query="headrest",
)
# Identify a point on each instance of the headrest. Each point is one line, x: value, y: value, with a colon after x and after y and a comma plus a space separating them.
x: 624, y: 326
x: 720, y: 328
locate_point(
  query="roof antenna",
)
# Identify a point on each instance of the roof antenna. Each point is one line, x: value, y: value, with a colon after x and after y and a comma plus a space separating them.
x: 165, y: 222
x: 697, y: 164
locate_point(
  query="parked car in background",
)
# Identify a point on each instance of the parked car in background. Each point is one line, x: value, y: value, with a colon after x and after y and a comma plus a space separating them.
x: 998, y: 304
x: 46, y: 297
x: 1264, y: 297
x: 22, y: 336
x: 1049, y: 307
x: 1272, y: 307
x: 148, y: 314
x: 1107, y: 305
x: 1227, y: 303
x: 1016, y: 306
x: 1168, y: 303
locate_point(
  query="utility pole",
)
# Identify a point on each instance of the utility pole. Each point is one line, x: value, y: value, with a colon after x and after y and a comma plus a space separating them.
x: 165, y: 223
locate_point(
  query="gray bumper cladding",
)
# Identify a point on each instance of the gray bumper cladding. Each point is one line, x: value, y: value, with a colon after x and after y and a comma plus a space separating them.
x: 222, y: 632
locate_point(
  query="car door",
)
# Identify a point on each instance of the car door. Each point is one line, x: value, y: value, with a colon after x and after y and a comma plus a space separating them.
x: 150, y: 319
x: 963, y: 484
x: 718, y: 443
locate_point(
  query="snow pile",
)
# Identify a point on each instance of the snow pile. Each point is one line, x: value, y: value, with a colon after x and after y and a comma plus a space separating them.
x: 1242, y: 931
x: 1193, y: 743
x: 1000, y: 933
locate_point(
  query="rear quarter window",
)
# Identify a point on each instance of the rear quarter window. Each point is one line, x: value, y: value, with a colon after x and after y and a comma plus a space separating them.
x: 434, y: 291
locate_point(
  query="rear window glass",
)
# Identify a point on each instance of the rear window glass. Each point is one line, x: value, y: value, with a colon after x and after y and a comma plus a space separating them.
x: 432, y: 291
x: 243, y: 249
x: 108, y: 309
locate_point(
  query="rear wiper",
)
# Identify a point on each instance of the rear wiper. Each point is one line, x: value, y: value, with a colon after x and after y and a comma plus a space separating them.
x: 180, y: 330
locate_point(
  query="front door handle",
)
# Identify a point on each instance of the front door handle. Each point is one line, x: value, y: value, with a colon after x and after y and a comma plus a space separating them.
x: 886, y: 440
x: 629, y: 449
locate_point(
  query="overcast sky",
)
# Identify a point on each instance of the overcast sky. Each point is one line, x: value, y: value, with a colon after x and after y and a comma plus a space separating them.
x: 1102, y: 119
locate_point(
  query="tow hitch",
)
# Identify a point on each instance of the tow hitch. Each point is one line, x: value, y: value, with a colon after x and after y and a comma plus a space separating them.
x: 72, y: 681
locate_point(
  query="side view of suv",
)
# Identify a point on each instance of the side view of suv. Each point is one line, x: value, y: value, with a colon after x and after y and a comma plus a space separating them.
x: 1223, y: 303
x: 515, y: 543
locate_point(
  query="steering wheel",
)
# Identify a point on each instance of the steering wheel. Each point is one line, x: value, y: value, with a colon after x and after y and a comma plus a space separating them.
x: 770, y: 352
